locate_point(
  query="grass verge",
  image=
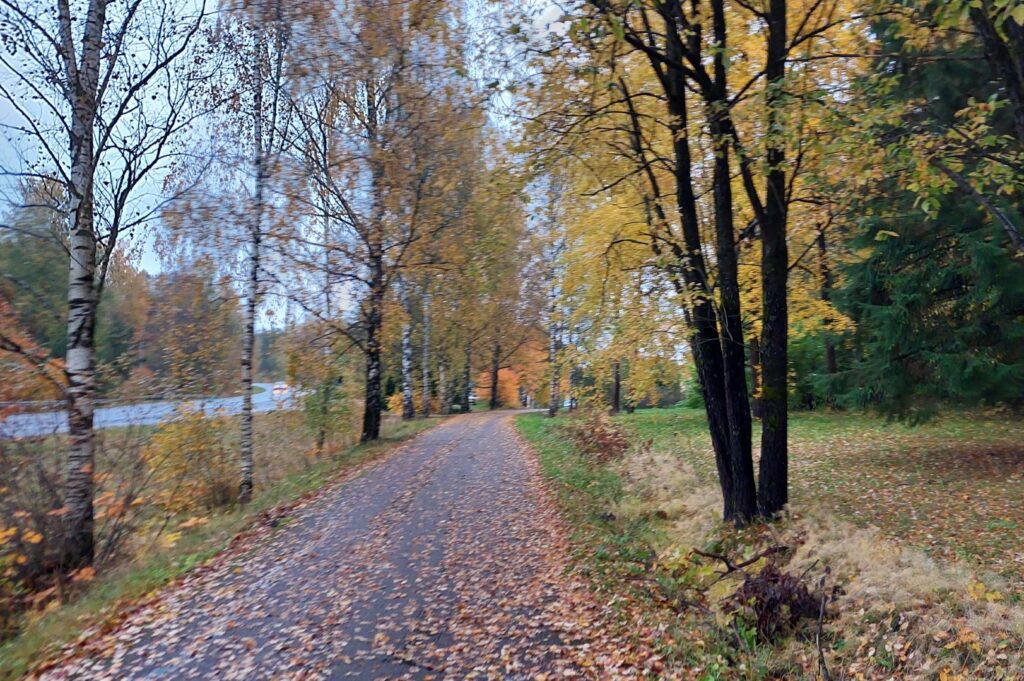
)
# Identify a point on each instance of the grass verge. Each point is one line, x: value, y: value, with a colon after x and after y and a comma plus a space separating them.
x: 893, y: 611
x: 45, y: 633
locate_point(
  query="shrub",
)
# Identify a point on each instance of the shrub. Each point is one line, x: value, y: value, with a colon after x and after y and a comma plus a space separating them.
x: 31, y: 516
x: 191, y: 465
x: 595, y: 436
x: 775, y: 600
x: 326, y: 412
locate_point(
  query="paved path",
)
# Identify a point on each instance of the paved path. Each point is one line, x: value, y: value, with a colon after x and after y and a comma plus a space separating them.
x: 42, y: 424
x: 444, y: 561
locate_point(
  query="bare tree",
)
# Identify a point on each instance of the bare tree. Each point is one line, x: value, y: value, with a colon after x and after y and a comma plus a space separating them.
x: 100, y: 91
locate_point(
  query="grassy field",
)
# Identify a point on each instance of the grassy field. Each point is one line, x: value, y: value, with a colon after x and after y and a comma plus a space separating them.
x: 286, y: 471
x: 915, y: 533
x: 953, y: 487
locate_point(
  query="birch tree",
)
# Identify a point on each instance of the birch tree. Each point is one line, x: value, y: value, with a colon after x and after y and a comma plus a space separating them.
x: 100, y: 90
x: 373, y: 126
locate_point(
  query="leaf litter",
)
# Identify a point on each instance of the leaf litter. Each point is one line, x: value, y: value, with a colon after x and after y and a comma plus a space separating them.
x: 448, y: 560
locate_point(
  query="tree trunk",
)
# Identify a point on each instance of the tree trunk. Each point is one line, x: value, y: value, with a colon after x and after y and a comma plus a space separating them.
x: 80, y: 368
x: 773, y: 492
x: 83, y: 292
x: 572, y: 373
x: 325, y: 401
x: 734, y: 363
x: 467, y: 372
x: 328, y: 385
x: 556, y: 373
x: 739, y: 497
x: 495, y: 370
x: 408, y: 405
x: 1004, y: 50
x: 373, y: 402
x: 616, y: 387
x: 831, y: 365
x: 444, y: 388
x: 425, y: 408
x: 251, y: 294
x: 248, y: 352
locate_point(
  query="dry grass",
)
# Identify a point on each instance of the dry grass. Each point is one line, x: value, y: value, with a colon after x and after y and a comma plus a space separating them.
x: 902, y: 612
x: 953, y: 488
x: 287, y: 467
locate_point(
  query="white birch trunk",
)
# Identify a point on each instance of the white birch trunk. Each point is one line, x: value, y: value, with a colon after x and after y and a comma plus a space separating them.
x: 556, y: 372
x: 442, y: 382
x: 251, y: 295
x: 80, y: 358
x: 425, y: 408
x: 408, y: 406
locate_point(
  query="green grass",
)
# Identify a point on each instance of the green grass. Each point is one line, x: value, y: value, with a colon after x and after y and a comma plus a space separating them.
x: 610, y: 552
x: 953, y: 487
x: 45, y: 633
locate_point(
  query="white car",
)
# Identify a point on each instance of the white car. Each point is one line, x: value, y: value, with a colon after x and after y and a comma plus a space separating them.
x: 280, y: 390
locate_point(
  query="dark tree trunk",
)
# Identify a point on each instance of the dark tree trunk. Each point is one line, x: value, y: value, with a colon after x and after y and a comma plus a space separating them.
x: 733, y: 346
x: 719, y: 358
x: 705, y: 343
x: 773, y: 493
x: 1004, y: 51
x: 374, y: 318
x: 616, y: 388
x: 495, y: 371
x: 326, y: 393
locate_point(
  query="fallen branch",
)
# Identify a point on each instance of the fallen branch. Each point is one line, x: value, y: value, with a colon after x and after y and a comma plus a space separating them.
x: 822, y: 665
x: 731, y: 567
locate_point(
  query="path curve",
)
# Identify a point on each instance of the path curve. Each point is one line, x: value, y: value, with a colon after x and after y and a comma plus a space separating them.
x: 443, y: 561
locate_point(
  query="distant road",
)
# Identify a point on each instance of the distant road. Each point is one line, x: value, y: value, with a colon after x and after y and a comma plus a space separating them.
x: 41, y: 424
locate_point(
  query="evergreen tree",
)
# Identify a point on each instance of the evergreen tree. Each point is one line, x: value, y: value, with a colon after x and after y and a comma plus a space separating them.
x: 935, y: 291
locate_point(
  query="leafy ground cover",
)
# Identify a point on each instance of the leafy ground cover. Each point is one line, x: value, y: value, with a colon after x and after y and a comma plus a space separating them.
x: 953, y: 487
x: 289, y: 473
x: 904, y: 597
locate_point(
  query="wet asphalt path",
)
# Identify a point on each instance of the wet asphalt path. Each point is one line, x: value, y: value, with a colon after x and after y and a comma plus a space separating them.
x: 443, y: 561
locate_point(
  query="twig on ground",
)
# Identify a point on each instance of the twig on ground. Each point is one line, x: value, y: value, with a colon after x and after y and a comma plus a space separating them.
x: 733, y: 567
x: 822, y: 665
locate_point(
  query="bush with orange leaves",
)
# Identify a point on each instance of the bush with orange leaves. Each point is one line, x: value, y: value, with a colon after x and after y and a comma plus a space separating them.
x: 596, y: 437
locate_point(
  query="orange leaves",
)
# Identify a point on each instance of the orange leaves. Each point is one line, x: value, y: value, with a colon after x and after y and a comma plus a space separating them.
x: 27, y: 372
x: 7, y: 533
x: 194, y: 521
x: 508, y: 388
x: 86, y: 574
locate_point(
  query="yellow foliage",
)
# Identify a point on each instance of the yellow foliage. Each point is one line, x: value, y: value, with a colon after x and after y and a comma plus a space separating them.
x: 395, y: 403
x: 191, y: 465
